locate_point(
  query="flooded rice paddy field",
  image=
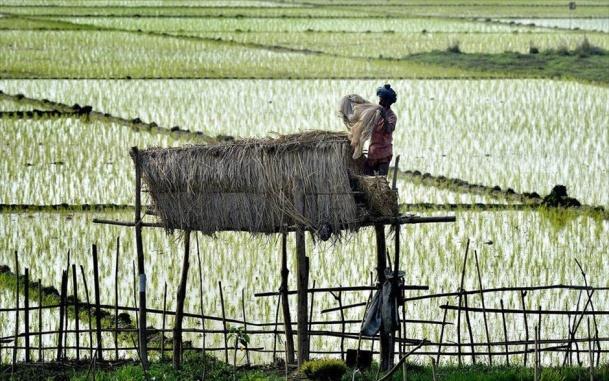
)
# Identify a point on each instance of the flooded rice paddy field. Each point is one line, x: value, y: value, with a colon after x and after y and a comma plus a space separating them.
x: 515, y: 248
x: 528, y: 135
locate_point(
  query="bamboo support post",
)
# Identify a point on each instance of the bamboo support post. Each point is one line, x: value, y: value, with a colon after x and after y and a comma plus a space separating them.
x: 177, y: 330
x: 275, y: 331
x: 302, y: 281
x: 590, y: 355
x: 441, y: 338
x: 461, y: 291
x: 523, y: 294
x: 247, y: 352
x: 76, y: 313
x: 17, y: 304
x: 583, y: 273
x: 26, y: 314
x: 381, y: 265
x: 469, y: 330
x: 201, y: 294
x: 539, y: 331
x: 142, y: 337
x: 488, y: 337
x: 537, y: 372
x: 163, y: 322
x: 62, y: 304
x: 505, y: 335
x: 116, y: 261
x: 287, y: 319
x: 98, y: 337
x: 84, y: 281
x: 339, y: 299
x: 224, y: 326
x: 311, y: 307
x: 395, y: 292
x: 40, y: 344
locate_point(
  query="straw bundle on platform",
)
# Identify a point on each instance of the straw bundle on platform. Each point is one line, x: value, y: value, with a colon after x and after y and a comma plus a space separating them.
x: 380, y: 199
x: 249, y: 185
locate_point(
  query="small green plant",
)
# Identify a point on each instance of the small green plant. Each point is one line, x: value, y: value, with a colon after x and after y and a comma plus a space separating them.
x: 324, y: 369
x: 240, y: 338
x: 453, y: 47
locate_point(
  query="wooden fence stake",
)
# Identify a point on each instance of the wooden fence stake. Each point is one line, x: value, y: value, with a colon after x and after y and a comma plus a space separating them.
x: 16, y: 341
x: 381, y: 265
x: 177, y: 330
x: 201, y: 296
x: 247, y: 351
x: 84, y: 281
x: 461, y: 290
x: 441, y: 338
x: 224, y: 327
x: 40, y: 352
x: 523, y: 293
x: 76, y: 313
x: 312, y: 306
x: 118, y: 245
x: 100, y: 355
x: 591, y: 357
x: 285, y: 305
x: 163, y: 322
x: 302, y: 281
x: 536, y: 354
x: 26, y: 314
x: 142, y: 336
x: 469, y: 329
x: 62, y: 305
x: 276, y: 328
x: 505, y: 335
x: 488, y: 337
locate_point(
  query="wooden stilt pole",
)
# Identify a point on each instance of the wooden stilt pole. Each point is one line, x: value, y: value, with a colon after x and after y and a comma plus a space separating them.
x: 26, y: 314
x: 76, y: 312
x: 163, y: 322
x: 303, y: 278
x: 143, y: 345
x: 177, y: 329
x: 40, y: 353
x: 118, y: 245
x: 285, y: 306
x: 62, y: 302
x: 98, y: 327
x: 84, y: 281
x: 224, y: 326
x: 381, y: 265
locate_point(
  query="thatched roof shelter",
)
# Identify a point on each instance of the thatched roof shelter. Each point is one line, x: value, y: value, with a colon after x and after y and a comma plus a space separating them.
x: 249, y: 185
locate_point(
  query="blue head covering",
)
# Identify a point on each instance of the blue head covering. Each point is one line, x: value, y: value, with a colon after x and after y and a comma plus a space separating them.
x: 387, y: 94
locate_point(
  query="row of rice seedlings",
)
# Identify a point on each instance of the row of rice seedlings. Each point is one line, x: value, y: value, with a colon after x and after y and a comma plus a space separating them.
x: 263, y: 24
x: 191, y: 11
x: 7, y: 104
x: 593, y: 24
x: 44, y: 54
x: 514, y: 248
x: 488, y: 11
x: 53, y: 164
x: 400, y: 45
x: 69, y: 160
x: 509, y: 133
x: 147, y: 3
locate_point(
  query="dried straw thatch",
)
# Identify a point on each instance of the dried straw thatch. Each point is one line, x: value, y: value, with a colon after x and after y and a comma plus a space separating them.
x: 250, y: 184
x: 380, y: 199
x: 360, y: 118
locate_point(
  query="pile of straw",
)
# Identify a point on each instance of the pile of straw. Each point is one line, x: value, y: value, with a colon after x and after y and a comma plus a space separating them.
x: 360, y: 117
x: 380, y: 199
x: 249, y: 185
